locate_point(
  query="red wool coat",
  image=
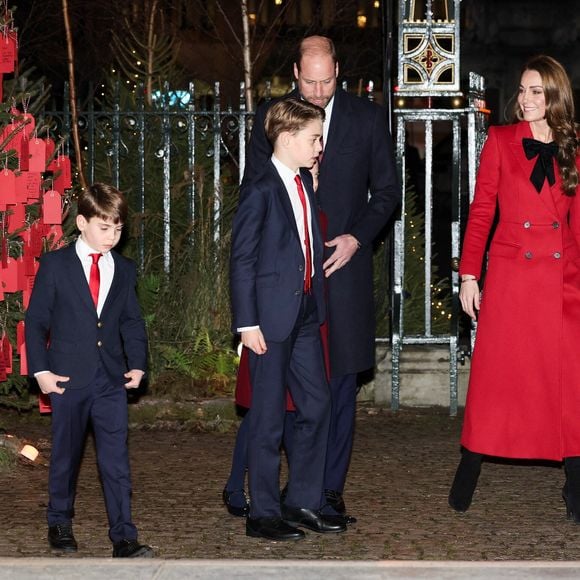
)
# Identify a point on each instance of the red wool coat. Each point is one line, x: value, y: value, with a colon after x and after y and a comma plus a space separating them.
x: 524, y: 389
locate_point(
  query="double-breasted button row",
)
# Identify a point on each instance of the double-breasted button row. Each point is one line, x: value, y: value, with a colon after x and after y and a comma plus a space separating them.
x: 528, y: 255
x: 528, y: 225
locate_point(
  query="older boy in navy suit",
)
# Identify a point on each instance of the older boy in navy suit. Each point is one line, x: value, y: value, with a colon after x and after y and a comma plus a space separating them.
x: 278, y: 306
x: 86, y: 344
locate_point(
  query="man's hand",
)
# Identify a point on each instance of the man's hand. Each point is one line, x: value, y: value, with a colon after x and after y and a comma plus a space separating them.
x: 135, y: 376
x: 254, y: 340
x: 47, y: 383
x: 345, y: 248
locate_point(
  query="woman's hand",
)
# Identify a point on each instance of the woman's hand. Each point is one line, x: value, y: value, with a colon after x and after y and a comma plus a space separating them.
x: 469, y: 295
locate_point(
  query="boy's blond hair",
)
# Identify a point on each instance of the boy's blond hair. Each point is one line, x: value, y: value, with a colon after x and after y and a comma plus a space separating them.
x: 290, y: 115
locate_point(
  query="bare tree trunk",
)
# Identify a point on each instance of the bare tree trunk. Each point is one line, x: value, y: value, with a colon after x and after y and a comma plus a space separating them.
x: 73, y: 96
x: 151, y: 41
x: 247, y: 57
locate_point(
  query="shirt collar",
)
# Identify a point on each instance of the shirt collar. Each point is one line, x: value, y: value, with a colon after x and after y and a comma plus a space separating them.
x: 285, y: 172
x: 84, y: 250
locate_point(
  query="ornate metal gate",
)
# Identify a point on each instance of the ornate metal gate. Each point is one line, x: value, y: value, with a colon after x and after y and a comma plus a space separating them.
x: 428, y: 96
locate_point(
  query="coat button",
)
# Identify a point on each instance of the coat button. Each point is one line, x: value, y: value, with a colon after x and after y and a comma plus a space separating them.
x: 557, y: 255
x: 555, y: 225
x: 99, y: 324
x: 100, y: 343
x: 527, y: 225
x: 528, y: 255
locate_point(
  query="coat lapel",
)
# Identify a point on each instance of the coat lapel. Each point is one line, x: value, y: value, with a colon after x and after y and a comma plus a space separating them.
x: 78, y: 278
x: 527, y: 165
x: 116, y: 283
x: 338, y: 129
x: 280, y: 189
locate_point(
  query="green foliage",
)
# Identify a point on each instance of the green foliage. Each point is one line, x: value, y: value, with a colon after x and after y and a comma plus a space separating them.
x: 414, y: 282
x: 7, y: 460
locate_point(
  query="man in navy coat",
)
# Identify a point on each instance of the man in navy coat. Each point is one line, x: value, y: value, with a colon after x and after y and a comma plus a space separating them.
x: 358, y: 190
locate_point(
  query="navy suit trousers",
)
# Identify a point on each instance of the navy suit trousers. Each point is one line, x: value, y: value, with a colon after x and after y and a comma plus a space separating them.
x: 296, y: 363
x: 341, y: 432
x: 104, y: 405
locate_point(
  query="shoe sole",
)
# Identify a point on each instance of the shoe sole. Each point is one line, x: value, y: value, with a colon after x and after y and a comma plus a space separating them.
x: 69, y: 550
x: 253, y: 534
x: 313, y: 529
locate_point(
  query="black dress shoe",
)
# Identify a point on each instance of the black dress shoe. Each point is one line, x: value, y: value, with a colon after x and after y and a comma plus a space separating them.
x: 334, y: 500
x: 60, y: 537
x: 272, y: 529
x: 131, y: 549
x: 313, y: 520
x: 235, y: 510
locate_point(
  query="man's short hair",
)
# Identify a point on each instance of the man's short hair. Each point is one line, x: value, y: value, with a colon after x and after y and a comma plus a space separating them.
x: 103, y: 201
x: 290, y: 115
x: 315, y: 46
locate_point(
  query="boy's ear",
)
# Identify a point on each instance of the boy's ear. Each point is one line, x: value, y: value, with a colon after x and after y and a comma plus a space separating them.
x: 81, y: 222
x: 285, y: 138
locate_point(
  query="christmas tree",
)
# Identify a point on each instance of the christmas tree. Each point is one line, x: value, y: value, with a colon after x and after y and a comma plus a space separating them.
x: 34, y: 178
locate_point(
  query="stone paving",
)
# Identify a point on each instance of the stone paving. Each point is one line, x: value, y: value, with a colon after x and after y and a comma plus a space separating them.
x: 402, y: 467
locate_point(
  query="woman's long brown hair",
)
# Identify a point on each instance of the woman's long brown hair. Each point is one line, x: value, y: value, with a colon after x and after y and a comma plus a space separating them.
x: 559, y: 116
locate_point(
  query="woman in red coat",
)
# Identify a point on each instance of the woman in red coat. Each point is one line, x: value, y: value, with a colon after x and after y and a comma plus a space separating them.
x: 524, y: 389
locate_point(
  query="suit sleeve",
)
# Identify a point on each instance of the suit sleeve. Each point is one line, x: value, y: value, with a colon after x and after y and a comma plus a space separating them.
x: 259, y: 148
x: 483, y: 207
x: 38, y: 318
x: 132, y: 325
x: 246, y: 235
x: 384, y: 188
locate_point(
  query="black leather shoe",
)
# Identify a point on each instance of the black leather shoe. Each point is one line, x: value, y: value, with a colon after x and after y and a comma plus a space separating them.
x: 313, y: 520
x: 334, y: 499
x: 60, y: 537
x: 272, y: 529
x: 131, y: 549
x: 235, y: 510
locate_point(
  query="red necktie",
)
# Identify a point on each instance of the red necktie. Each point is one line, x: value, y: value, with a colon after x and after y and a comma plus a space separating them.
x: 95, y: 278
x: 308, y: 273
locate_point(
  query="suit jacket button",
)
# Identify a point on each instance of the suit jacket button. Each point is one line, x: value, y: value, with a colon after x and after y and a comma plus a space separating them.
x: 555, y: 225
x: 557, y: 255
x: 527, y: 225
x: 300, y: 268
x: 298, y: 292
x: 100, y: 343
x: 528, y: 255
x: 99, y: 324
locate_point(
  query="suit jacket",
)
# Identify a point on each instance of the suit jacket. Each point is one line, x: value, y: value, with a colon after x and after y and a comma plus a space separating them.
x: 64, y: 334
x: 358, y: 160
x: 267, y: 261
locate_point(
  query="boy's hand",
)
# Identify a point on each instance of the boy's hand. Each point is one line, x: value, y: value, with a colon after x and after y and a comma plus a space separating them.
x: 254, y: 340
x: 135, y: 375
x: 47, y: 383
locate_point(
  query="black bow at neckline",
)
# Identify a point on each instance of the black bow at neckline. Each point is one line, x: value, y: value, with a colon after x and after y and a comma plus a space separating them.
x: 544, y: 166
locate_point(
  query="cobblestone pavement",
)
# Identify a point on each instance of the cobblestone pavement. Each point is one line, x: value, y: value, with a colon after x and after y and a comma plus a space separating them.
x: 402, y: 467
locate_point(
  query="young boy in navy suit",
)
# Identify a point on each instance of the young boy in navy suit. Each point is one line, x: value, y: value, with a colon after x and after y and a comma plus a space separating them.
x: 86, y: 344
x: 278, y: 306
